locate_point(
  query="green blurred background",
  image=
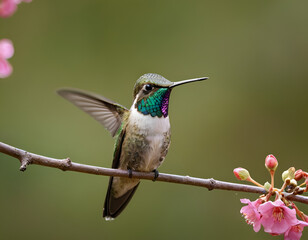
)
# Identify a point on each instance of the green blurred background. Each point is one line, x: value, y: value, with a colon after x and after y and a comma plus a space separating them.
x: 255, y: 103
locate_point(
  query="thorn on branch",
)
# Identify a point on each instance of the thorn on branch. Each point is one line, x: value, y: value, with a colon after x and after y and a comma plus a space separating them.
x: 212, y: 184
x: 66, y: 164
x: 25, y: 160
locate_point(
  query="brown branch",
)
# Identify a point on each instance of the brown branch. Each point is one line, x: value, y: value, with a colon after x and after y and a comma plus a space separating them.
x: 27, y: 158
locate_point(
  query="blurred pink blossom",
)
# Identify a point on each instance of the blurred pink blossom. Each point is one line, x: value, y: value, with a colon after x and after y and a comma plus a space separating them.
x: 6, y: 51
x: 251, y: 214
x: 277, y: 218
x: 8, y: 7
x: 5, y: 68
x: 6, y: 48
x: 295, y: 232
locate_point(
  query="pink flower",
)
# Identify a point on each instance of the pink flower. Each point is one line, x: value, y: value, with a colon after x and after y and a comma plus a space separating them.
x: 6, y: 51
x: 5, y: 68
x: 295, y: 232
x: 276, y: 217
x: 8, y: 7
x: 251, y: 214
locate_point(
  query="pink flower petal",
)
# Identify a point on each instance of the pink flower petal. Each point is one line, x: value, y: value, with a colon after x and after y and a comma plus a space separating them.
x: 7, y: 8
x: 251, y: 214
x: 5, y: 68
x: 6, y: 48
x: 276, y: 217
x: 295, y: 232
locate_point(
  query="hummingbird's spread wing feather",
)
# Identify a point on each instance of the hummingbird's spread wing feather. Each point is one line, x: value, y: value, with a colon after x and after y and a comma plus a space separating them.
x: 105, y: 111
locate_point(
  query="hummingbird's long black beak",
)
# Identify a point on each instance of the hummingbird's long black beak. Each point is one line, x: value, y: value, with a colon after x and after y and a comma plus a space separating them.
x: 187, y: 81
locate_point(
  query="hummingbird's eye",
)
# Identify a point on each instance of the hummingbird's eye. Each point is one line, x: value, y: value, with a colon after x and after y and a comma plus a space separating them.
x: 148, y: 87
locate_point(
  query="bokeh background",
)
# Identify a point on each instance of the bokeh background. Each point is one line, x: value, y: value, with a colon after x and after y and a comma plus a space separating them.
x: 255, y: 103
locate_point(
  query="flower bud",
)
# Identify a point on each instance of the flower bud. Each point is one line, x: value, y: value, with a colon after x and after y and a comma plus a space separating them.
x: 267, y: 186
x: 290, y: 173
x: 241, y: 174
x: 298, y: 175
x: 271, y: 162
x: 285, y: 175
x: 293, y: 182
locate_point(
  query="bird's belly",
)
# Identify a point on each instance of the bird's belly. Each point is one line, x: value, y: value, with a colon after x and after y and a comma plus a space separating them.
x: 144, y: 153
x: 146, y: 143
x: 155, y: 154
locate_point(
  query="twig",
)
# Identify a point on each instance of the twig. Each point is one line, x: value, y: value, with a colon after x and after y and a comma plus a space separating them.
x: 27, y: 158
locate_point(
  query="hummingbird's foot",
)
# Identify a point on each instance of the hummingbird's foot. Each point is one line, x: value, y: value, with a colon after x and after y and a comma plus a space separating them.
x: 130, y: 173
x: 156, y: 174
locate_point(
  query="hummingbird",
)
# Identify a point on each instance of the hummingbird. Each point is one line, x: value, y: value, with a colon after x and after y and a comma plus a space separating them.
x: 142, y: 132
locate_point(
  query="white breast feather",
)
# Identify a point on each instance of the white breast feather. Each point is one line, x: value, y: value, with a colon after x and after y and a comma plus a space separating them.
x: 155, y: 129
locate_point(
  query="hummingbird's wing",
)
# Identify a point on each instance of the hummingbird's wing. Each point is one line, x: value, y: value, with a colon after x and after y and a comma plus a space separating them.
x: 114, y: 206
x: 105, y: 111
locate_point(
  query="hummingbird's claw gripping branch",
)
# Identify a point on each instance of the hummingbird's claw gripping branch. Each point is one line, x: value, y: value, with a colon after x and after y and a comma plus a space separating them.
x: 130, y: 173
x: 156, y: 174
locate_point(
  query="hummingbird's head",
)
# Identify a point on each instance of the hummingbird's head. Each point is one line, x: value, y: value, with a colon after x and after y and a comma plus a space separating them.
x: 152, y: 92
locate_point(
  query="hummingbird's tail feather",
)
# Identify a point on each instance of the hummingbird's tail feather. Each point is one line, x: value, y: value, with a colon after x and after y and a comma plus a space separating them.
x: 114, y: 206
